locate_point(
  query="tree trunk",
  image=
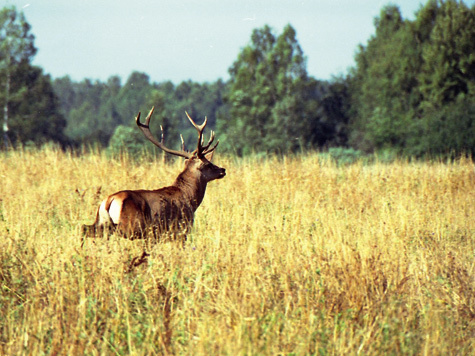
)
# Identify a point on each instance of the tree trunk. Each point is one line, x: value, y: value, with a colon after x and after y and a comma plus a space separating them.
x: 5, y: 111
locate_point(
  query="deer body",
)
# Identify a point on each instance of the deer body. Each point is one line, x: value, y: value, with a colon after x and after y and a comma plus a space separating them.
x: 169, y: 210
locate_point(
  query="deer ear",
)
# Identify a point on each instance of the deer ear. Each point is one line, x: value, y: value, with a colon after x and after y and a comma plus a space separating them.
x: 209, y: 156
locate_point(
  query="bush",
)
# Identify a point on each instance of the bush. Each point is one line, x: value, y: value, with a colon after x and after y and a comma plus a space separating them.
x: 447, y: 132
x: 127, y: 140
x: 344, y: 156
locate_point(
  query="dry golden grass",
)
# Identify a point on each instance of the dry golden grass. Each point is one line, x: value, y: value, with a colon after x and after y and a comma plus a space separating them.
x: 287, y: 256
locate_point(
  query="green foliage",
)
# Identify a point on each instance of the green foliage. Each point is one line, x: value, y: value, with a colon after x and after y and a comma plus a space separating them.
x: 344, y: 156
x: 132, y: 96
x: 127, y: 140
x: 28, y: 102
x: 95, y: 109
x: 412, y: 90
x: 382, y: 84
x: 331, y: 101
x: 449, y: 131
x: 270, y: 105
x: 30, y: 107
x: 91, y: 108
x: 17, y: 43
x: 448, y: 69
x: 35, y: 109
x: 273, y: 104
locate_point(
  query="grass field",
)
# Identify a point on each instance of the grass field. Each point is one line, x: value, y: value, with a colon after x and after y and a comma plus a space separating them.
x: 290, y: 256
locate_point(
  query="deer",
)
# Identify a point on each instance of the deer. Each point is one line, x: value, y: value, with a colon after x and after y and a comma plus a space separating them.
x: 165, y: 212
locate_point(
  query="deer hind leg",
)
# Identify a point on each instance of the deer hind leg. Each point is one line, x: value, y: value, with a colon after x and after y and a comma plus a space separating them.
x: 95, y: 230
x: 102, y: 224
x: 105, y: 220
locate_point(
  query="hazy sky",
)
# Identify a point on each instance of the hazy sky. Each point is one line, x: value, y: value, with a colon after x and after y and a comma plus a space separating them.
x: 192, y: 39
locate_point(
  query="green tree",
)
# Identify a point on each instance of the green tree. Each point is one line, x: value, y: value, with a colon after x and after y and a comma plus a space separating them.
x: 35, y: 113
x: 331, y: 102
x: 16, y: 46
x: 411, y: 77
x: 267, y: 95
x: 30, y: 107
x: 94, y: 109
x: 383, y: 84
x: 133, y: 96
x: 199, y: 100
x: 444, y: 123
x: 128, y: 139
x: 448, y: 131
x: 288, y: 121
x: 272, y: 105
x: 90, y: 108
x: 448, y: 68
x: 446, y: 118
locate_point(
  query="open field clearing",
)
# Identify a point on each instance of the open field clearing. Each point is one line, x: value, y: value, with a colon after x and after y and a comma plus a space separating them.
x: 291, y: 256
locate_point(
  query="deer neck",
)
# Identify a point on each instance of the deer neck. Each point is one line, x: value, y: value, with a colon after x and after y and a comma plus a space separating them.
x: 192, y: 186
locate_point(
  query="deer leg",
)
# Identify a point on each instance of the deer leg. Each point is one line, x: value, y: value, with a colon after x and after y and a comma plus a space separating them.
x: 103, y: 222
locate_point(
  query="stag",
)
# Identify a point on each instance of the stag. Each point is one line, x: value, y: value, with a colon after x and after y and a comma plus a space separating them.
x: 165, y: 211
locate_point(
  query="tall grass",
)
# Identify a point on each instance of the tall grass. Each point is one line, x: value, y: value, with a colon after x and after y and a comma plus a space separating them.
x: 291, y: 256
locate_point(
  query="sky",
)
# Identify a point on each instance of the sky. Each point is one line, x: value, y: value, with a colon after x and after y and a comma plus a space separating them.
x: 199, y: 40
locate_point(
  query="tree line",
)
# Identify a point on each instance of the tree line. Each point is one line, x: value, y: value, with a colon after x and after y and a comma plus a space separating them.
x: 413, y: 86
x: 411, y: 92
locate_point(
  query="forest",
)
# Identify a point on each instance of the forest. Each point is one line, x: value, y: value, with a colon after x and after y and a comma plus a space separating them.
x: 410, y: 93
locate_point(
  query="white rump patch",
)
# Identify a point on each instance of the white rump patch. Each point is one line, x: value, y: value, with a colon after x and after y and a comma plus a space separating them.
x: 111, y: 216
x: 114, y: 211
x: 104, y: 217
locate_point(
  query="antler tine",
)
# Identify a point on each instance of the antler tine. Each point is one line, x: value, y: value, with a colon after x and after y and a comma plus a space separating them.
x: 182, y: 143
x: 212, y: 148
x: 147, y: 120
x: 162, y: 135
x: 160, y: 144
x: 200, y: 128
x: 211, y: 139
x: 149, y: 116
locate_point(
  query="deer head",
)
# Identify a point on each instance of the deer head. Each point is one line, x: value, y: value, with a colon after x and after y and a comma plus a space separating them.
x: 198, y: 162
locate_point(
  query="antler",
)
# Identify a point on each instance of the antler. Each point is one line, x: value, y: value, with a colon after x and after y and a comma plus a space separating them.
x: 201, y: 150
x: 160, y: 144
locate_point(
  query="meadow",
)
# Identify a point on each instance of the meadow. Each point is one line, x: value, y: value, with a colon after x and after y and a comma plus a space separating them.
x: 288, y: 256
